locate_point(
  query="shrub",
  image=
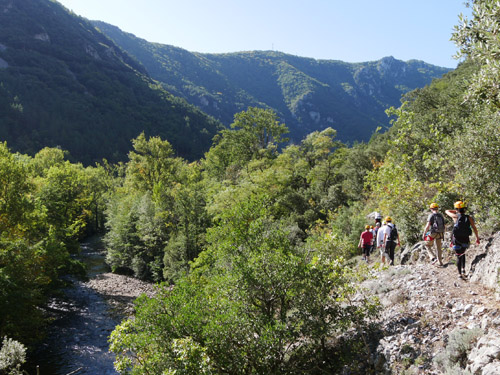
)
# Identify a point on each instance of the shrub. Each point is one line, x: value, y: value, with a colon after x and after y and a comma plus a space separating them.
x: 12, y: 357
x: 454, y: 358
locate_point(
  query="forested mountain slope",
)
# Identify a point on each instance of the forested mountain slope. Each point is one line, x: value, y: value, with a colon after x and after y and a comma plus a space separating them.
x: 307, y: 94
x: 63, y: 83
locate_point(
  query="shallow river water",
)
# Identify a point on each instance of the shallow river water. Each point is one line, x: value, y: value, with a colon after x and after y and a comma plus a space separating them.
x: 77, y: 341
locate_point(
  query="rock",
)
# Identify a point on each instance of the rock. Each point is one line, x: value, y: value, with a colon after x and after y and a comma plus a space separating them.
x: 468, y: 309
x: 485, y: 262
x: 486, y: 353
x: 491, y: 369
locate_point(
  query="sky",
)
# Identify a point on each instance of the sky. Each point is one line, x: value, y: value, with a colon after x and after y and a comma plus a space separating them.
x: 347, y: 30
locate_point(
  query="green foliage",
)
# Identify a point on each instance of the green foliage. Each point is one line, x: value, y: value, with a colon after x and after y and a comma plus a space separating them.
x: 429, y: 153
x: 157, y: 219
x: 12, y: 357
x: 45, y: 207
x: 255, y: 134
x: 257, y: 302
x: 250, y: 241
x: 477, y: 40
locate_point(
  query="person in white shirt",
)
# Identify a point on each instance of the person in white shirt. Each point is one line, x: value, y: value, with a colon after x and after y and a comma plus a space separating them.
x: 380, y: 241
x: 391, y: 239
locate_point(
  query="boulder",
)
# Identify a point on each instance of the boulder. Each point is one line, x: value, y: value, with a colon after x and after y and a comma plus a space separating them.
x: 485, y: 356
x: 485, y: 263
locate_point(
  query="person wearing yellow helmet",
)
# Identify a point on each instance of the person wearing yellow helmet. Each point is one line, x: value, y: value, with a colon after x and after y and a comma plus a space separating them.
x: 365, y: 242
x: 391, y: 239
x: 462, y: 229
x: 434, y: 230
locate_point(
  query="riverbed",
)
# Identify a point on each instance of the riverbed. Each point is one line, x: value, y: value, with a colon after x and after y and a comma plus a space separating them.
x: 84, y: 317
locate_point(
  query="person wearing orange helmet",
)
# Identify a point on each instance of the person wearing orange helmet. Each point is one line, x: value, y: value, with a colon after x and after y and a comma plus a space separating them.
x: 434, y: 233
x: 462, y: 229
x: 365, y: 242
x: 391, y: 239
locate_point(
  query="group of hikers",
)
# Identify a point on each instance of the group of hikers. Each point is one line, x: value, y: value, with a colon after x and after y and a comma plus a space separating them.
x: 385, y: 237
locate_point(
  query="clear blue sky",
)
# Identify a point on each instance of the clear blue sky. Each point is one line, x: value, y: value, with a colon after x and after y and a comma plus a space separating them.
x: 351, y: 31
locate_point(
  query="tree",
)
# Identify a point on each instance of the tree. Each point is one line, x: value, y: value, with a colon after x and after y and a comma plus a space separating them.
x: 256, y: 302
x: 478, y: 40
x: 14, y: 189
x: 65, y: 194
x: 254, y: 134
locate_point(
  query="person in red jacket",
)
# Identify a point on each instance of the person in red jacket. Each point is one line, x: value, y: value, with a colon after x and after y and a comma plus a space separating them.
x: 366, y: 242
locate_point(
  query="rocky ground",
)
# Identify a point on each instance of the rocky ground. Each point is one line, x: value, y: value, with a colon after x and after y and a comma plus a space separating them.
x: 433, y: 322
x: 120, y: 291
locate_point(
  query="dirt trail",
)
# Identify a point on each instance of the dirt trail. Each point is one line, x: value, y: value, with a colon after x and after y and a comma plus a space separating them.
x: 422, y: 305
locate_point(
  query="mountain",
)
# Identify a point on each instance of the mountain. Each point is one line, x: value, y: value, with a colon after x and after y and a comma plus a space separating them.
x: 307, y: 94
x: 64, y: 83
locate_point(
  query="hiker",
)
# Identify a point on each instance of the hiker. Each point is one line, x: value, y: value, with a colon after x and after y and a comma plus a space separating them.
x: 460, y: 235
x: 375, y: 230
x: 391, y: 239
x: 380, y: 242
x: 374, y: 236
x: 365, y: 241
x: 434, y: 232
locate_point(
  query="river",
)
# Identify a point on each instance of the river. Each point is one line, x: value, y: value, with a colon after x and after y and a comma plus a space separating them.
x: 77, y: 340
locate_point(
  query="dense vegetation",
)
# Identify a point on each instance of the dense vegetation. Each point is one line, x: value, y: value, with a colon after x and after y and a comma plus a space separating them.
x: 246, y: 237
x: 307, y: 94
x: 47, y: 205
x: 64, y: 84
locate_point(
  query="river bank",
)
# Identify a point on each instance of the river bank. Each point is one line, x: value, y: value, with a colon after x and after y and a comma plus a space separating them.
x: 120, y: 291
x: 83, y: 316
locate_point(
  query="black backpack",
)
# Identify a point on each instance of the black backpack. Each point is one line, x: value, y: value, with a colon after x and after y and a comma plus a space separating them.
x: 393, y: 235
x: 462, y: 229
x: 437, y: 223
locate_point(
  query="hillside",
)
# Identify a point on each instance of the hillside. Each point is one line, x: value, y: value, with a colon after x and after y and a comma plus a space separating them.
x: 63, y: 83
x: 308, y: 94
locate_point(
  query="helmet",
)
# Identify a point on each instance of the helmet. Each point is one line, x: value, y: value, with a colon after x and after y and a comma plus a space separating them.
x: 367, y: 227
x: 459, y: 204
x: 388, y: 219
x: 433, y: 206
x: 371, y: 226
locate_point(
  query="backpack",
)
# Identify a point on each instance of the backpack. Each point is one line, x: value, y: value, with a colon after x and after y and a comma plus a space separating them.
x: 393, y: 235
x: 462, y: 229
x: 437, y: 223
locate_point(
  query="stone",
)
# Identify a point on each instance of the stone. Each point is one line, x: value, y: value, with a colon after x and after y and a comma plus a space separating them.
x: 486, y: 351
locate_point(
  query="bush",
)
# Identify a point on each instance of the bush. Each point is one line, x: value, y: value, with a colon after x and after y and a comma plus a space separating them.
x: 454, y: 358
x: 12, y: 357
